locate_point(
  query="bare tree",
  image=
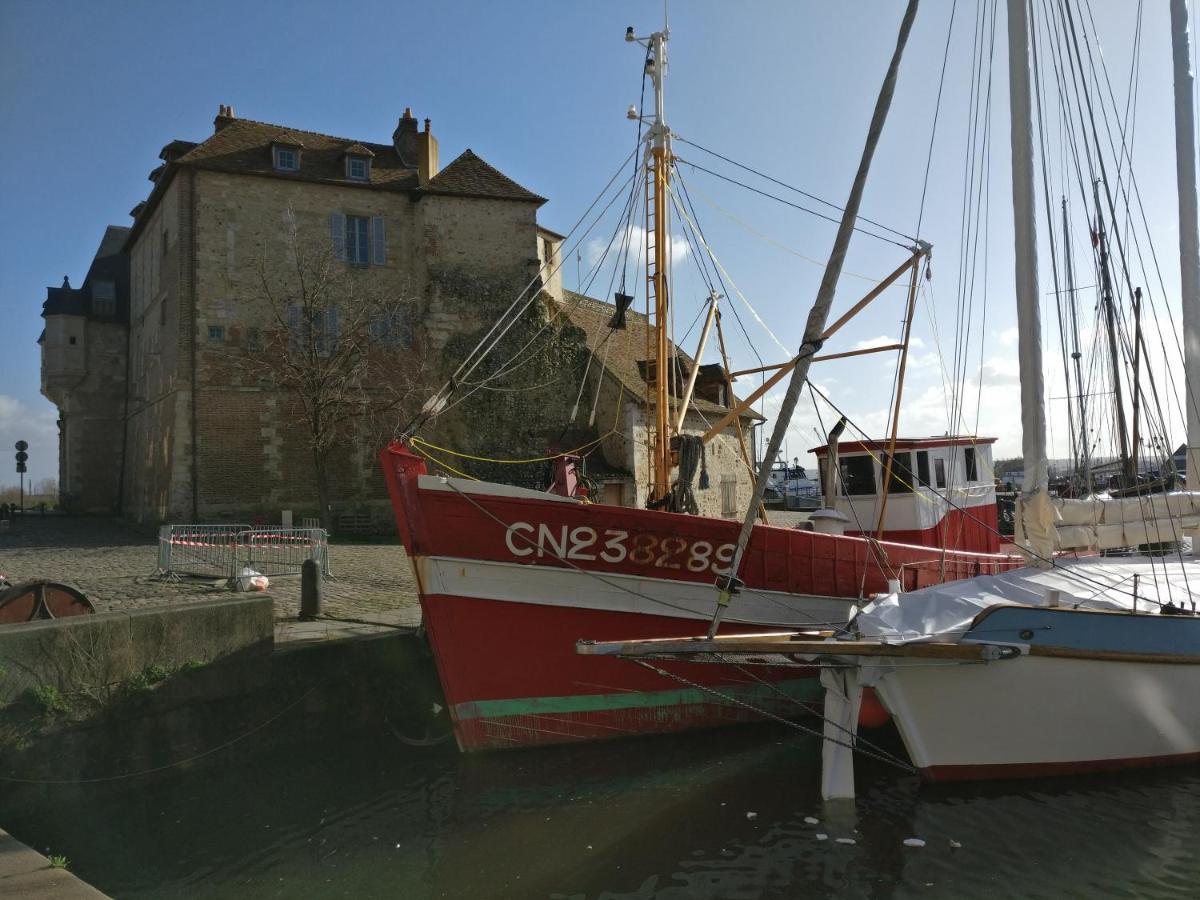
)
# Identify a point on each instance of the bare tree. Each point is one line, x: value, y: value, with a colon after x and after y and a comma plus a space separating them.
x: 338, y: 342
x: 46, y: 487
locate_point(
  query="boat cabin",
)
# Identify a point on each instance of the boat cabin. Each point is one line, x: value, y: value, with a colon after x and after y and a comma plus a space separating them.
x: 941, y: 491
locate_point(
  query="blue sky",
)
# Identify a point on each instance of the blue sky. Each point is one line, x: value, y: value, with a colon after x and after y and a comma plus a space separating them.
x: 90, y: 92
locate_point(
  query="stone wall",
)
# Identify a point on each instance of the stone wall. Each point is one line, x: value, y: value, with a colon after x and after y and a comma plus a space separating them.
x: 88, y: 656
x: 628, y: 447
x: 157, y: 471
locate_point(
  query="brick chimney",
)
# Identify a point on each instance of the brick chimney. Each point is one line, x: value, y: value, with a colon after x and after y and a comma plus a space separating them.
x: 224, y: 117
x: 427, y: 156
x: 405, y: 139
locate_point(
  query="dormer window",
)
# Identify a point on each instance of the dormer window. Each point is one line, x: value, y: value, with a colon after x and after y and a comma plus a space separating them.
x: 104, y: 298
x: 357, y: 160
x: 287, y: 159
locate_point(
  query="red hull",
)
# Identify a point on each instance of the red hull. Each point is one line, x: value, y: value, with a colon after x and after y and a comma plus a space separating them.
x: 512, y: 678
x: 510, y: 580
x: 976, y: 528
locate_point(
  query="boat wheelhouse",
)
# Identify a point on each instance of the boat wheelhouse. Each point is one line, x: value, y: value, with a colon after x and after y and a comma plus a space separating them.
x: 940, y: 492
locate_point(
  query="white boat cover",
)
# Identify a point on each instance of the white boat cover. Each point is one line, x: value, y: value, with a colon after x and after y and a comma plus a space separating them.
x: 945, y: 611
x: 1107, y: 523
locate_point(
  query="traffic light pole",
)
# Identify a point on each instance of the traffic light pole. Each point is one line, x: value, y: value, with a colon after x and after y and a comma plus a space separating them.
x: 22, y: 458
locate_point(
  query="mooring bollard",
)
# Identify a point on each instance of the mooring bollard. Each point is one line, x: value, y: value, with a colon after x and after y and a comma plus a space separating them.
x: 311, y: 590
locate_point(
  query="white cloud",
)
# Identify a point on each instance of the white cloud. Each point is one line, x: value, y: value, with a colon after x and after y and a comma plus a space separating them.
x: 999, y: 371
x: 593, y: 250
x: 883, y: 340
x: 19, y: 422
x: 1007, y: 337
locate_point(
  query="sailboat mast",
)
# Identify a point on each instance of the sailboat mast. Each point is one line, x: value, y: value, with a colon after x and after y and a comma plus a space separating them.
x: 1084, y: 443
x: 814, y: 329
x: 1035, y: 517
x: 656, y: 277
x: 1110, y: 324
x: 1189, y: 241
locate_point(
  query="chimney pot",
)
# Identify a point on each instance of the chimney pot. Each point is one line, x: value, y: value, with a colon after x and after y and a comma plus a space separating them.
x: 427, y: 123
x: 404, y: 139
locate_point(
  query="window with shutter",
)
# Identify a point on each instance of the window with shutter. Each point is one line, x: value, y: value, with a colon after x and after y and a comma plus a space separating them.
x: 293, y: 321
x: 378, y: 242
x: 333, y: 329
x: 337, y: 233
x: 357, y: 243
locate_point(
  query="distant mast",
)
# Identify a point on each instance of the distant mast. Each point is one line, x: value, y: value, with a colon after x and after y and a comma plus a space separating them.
x: 1034, y: 521
x: 1189, y: 241
x: 657, y: 239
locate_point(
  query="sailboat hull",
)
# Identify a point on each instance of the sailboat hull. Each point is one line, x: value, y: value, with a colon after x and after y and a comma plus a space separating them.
x: 1041, y: 715
x: 510, y: 580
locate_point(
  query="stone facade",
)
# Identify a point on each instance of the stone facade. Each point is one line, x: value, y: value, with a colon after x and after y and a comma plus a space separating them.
x: 83, y: 369
x: 217, y: 243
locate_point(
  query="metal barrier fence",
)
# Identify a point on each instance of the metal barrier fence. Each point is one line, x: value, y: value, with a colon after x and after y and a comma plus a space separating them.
x: 223, y: 551
x: 207, y: 550
x: 280, y: 551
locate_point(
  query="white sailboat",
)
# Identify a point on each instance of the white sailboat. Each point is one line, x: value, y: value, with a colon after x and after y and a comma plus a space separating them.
x: 1064, y: 666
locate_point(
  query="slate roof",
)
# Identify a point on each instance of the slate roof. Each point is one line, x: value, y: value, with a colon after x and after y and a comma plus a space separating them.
x: 110, y: 264
x: 470, y: 176
x: 626, y: 349
x: 244, y: 146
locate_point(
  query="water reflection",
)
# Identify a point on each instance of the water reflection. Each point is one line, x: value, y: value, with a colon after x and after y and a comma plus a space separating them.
x: 715, y: 815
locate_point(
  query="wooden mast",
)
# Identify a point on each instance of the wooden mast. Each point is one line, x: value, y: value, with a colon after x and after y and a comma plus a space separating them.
x: 1110, y: 321
x: 657, y: 260
x: 1085, y: 454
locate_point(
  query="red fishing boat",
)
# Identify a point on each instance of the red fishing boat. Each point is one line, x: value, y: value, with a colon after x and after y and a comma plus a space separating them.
x: 510, y: 578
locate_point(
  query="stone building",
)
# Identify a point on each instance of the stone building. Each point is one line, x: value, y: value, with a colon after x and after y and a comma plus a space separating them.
x: 84, y: 371
x: 222, y: 229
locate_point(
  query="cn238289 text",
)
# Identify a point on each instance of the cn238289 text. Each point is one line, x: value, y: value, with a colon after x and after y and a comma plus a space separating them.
x: 614, y: 545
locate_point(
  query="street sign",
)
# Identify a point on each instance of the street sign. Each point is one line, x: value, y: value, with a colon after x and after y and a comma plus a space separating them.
x: 22, y: 458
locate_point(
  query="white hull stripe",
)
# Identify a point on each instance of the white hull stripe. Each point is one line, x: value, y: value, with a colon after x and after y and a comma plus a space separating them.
x: 608, y: 592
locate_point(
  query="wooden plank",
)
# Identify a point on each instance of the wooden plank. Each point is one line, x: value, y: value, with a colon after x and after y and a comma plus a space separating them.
x: 1179, y: 659
x: 777, y: 643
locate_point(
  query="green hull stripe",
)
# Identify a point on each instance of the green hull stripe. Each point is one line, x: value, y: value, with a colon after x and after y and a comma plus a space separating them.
x: 797, y: 689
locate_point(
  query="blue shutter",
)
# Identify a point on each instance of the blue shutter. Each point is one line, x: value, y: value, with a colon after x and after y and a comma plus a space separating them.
x: 332, y: 328
x: 337, y: 233
x: 293, y: 321
x: 377, y: 242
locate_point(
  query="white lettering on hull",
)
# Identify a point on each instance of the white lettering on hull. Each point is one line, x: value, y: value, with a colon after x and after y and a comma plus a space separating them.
x: 613, y: 545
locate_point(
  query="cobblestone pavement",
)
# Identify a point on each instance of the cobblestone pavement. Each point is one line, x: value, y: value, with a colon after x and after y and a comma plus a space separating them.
x: 114, y: 565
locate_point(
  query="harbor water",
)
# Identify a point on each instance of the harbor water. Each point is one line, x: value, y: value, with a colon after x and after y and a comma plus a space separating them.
x: 723, y: 814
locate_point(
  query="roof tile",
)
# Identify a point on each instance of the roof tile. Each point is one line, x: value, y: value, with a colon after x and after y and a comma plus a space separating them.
x: 470, y: 176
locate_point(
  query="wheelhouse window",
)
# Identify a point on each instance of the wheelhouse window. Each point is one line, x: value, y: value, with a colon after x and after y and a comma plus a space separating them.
x: 970, y: 463
x: 900, y: 480
x: 923, y: 468
x: 858, y: 475
x: 939, y: 471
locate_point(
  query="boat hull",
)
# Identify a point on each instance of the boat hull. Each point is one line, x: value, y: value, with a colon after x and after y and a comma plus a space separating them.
x: 512, y: 678
x: 509, y: 581
x: 1043, y: 715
